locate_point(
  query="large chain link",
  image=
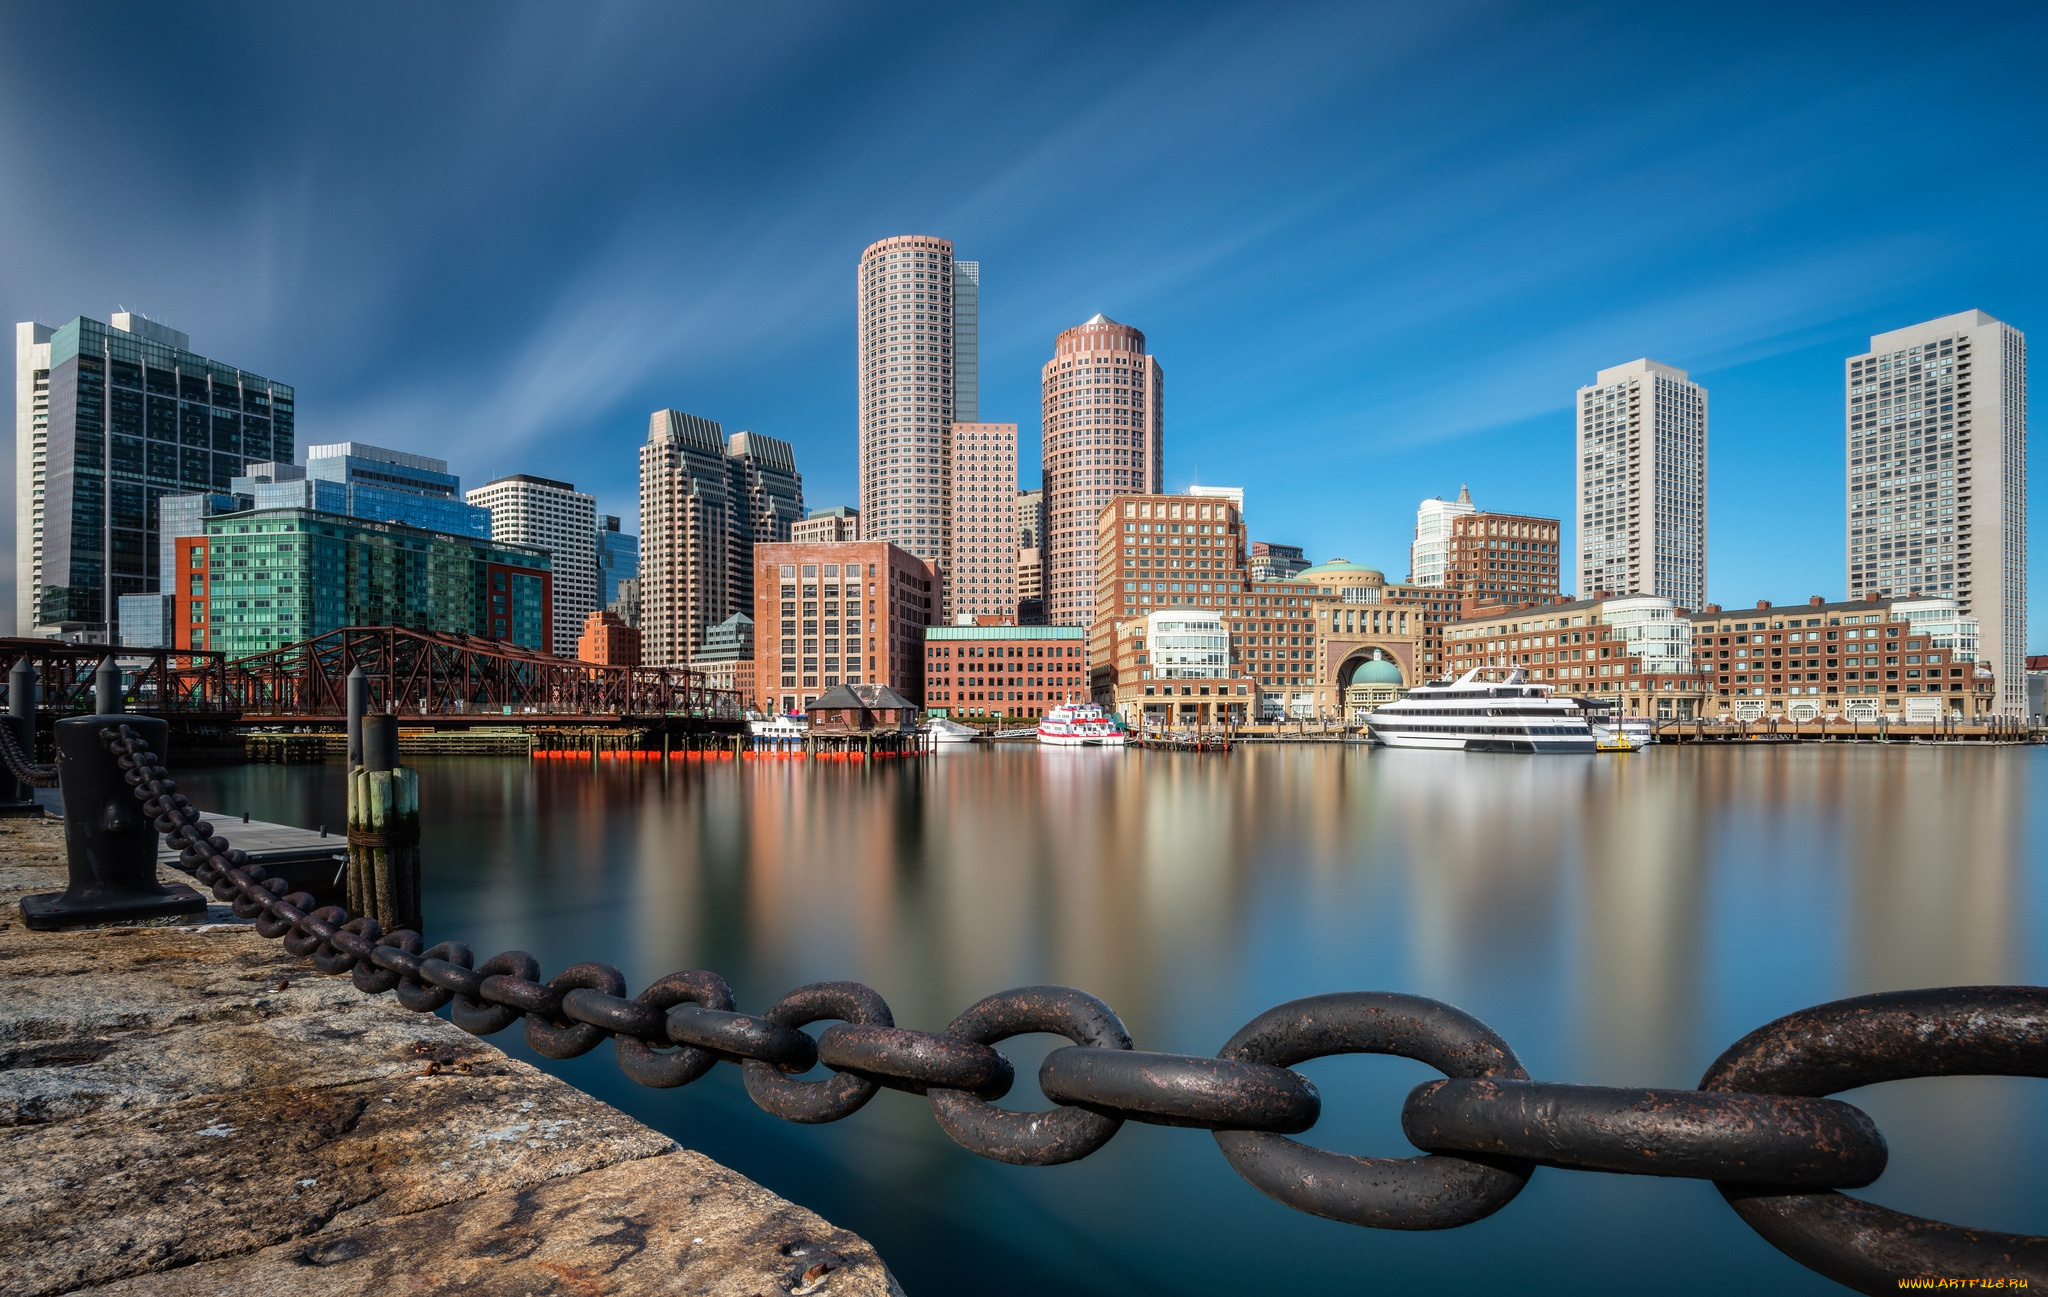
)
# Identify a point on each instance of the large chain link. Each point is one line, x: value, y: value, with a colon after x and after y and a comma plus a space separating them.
x: 20, y: 766
x: 1758, y: 1126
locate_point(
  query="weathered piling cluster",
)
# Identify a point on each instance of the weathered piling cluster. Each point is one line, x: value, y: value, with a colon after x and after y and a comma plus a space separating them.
x: 384, y: 831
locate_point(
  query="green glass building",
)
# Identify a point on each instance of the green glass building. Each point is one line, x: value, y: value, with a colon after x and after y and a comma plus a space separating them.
x: 266, y: 578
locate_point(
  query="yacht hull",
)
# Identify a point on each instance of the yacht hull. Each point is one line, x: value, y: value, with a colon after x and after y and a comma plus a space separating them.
x: 1477, y: 743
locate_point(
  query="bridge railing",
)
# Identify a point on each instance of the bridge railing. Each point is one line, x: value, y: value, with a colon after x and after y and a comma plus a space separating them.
x: 438, y: 674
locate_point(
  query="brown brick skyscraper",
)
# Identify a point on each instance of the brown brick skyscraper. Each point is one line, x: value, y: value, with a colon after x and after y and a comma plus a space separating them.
x: 1104, y: 436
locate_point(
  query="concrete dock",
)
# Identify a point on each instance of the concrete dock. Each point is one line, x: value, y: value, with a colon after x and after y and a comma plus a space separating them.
x: 189, y: 1110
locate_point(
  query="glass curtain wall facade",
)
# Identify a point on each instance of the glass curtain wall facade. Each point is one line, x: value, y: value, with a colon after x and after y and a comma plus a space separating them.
x: 267, y: 578
x: 618, y: 559
x: 132, y: 416
x: 397, y: 486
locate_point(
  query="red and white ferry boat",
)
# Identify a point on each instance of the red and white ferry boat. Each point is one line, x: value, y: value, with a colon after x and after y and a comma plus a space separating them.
x: 1079, y: 725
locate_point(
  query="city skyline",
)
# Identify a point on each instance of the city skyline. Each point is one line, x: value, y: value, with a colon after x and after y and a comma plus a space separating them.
x: 1758, y: 269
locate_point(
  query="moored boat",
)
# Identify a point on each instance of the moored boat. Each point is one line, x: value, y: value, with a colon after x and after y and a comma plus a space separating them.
x: 1079, y: 725
x: 942, y: 730
x: 780, y: 729
x: 1474, y: 715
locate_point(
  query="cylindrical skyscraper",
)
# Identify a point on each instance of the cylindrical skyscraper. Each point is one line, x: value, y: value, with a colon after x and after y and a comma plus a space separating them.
x: 1104, y: 436
x: 908, y: 363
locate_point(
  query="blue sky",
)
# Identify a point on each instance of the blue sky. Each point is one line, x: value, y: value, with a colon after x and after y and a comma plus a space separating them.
x: 1376, y: 247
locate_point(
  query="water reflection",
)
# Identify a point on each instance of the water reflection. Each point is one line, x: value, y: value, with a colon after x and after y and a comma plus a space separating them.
x: 1618, y: 920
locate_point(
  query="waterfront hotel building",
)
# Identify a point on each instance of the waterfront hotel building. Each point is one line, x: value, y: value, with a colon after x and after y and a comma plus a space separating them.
x: 109, y: 419
x: 1482, y: 558
x: 918, y: 377
x: 1905, y: 659
x: 1635, y: 651
x: 1937, y: 477
x: 849, y: 612
x: 1642, y: 484
x: 1297, y: 644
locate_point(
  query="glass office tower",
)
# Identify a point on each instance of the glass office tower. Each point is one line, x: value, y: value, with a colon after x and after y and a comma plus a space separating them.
x: 396, y: 486
x: 618, y: 559
x: 126, y: 414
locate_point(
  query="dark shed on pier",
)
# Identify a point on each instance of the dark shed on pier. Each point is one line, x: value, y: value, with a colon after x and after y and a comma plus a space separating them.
x: 861, y: 709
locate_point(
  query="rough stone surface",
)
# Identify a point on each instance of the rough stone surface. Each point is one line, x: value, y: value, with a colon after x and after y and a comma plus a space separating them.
x: 189, y: 1110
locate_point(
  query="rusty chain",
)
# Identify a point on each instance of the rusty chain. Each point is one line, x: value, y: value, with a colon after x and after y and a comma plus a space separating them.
x: 20, y: 766
x: 1759, y: 1126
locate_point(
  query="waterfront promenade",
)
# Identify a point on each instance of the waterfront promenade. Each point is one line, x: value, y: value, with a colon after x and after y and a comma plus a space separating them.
x: 191, y: 1110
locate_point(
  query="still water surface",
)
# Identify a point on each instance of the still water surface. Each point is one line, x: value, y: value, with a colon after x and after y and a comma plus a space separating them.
x: 1619, y: 920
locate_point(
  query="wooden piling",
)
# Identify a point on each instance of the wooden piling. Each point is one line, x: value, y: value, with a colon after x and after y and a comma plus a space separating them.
x: 384, y: 832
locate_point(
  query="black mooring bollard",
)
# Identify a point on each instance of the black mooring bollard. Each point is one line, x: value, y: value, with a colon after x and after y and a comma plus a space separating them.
x: 106, y: 688
x: 108, y: 839
x: 17, y: 798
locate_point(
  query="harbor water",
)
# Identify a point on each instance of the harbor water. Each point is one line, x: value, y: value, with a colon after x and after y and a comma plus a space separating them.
x: 1619, y: 920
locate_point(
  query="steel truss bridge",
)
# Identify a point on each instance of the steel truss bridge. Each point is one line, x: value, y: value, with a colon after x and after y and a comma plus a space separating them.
x: 431, y: 675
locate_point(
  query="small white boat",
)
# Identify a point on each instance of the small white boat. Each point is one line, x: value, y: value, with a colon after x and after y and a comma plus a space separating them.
x: 1614, y: 732
x: 1079, y: 725
x: 1474, y: 715
x: 780, y: 729
x: 1638, y: 732
x: 942, y: 730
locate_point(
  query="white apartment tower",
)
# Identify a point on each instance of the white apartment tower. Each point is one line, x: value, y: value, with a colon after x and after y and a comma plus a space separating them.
x: 983, y: 581
x: 1429, y: 556
x: 1642, y: 484
x: 560, y: 519
x: 912, y: 360
x: 31, y: 463
x: 1937, y: 469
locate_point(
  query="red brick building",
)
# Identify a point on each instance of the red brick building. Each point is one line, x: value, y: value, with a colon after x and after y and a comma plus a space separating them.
x: 1004, y: 670
x: 608, y: 641
x: 1905, y: 658
x: 1499, y: 558
x: 833, y: 613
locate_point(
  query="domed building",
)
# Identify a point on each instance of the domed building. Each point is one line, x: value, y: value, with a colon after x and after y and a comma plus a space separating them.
x: 1361, y: 621
x: 1376, y: 680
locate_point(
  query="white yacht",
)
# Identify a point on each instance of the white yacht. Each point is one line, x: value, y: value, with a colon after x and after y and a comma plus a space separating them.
x: 943, y: 730
x: 780, y: 729
x: 1079, y: 725
x: 1474, y: 715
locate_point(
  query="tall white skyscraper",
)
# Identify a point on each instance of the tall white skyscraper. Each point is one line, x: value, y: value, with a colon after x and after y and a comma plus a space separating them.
x: 1430, y: 555
x: 560, y: 519
x: 1642, y: 484
x: 31, y: 456
x: 910, y: 360
x: 1937, y: 469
